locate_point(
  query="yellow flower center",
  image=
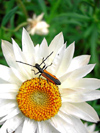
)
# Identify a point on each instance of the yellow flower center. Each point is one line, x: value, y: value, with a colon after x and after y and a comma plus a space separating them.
x: 39, y: 99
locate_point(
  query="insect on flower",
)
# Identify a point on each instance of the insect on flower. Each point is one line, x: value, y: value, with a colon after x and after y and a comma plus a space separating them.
x: 42, y: 70
x: 27, y: 101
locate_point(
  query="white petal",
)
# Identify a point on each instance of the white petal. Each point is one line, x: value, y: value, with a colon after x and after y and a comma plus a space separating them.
x: 41, y: 25
x: 6, y: 101
x: 64, y: 79
x: 65, y: 117
x: 56, y: 43
x: 8, y: 95
x: 28, y: 47
x: 7, y: 49
x: 10, y: 57
x: 19, y: 74
x: 76, y: 123
x: 91, y: 127
x: 43, y: 49
x: 57, y: 60
x: 19, y: 129
x: 96, y: 132
x: 78, y: 96
x: 61, y: 125
x: 88, y: 84
x: 81, y: 110
x: 81, y: 72
x: 2, y: 81
x: 31, y: 31
x: 44, y: 31
x: 11, y: 114
x: 8, y: 88
x: 7, y: 74
x: 3, y: 102
x: 57, y: 122
x: 69, y: 95
x: 20, y: 57
x: 37, y: 48
x: 45, y: 127
x: 93, y: 95
x: 17, y: 52
x: 40, y: 17
x: 11, y: 124
x: 29, y: 19
x: 66, y: 60
x: 71, y: 77
x: 29, y: 126
x: 78, y: 62
x: 7, y: 108
x: 34, y: 16
x: 79, y: 127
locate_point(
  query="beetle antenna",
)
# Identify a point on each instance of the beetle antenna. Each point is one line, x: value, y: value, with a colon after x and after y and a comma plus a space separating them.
x: 47, y: 57
x: 25, y: 63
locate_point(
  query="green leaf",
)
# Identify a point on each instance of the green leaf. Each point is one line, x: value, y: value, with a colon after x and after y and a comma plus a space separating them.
x: 65, y: 20
x: 53, y: 10
x: 88, y: 31
x: 93, y: 42
x: 43, y: 6
x: 76, y: 16
x: 8, y: 16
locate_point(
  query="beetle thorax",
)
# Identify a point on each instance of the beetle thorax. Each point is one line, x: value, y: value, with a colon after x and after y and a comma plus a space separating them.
x: 39, y: 68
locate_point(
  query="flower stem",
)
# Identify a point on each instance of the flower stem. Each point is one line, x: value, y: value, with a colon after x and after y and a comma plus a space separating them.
x: 21, y: 5
x: 17, y: 28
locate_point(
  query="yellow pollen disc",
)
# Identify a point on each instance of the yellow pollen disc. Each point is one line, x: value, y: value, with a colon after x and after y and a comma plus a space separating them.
x: 39, y: 99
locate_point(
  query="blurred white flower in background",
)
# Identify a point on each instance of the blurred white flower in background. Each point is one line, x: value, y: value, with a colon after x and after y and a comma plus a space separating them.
x: 91, y: 128
x: 37, y: 26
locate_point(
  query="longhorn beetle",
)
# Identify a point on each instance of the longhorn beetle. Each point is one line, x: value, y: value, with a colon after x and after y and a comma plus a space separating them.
x: 43, y: 71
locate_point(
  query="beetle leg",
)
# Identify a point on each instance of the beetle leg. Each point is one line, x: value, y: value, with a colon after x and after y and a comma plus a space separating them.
x: 48, y: 66
x: 34, y: 72
x: 43, y: 62
x: 44, y: 67
x: 39, y: 78
x: 49, y: 84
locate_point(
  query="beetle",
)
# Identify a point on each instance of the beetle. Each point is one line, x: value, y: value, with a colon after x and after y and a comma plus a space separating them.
x: 42, y: 70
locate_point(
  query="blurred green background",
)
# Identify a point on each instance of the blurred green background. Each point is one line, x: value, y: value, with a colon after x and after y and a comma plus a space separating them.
x: 79, y: 20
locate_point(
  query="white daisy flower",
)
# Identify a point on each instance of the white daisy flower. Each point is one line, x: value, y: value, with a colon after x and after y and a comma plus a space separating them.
x: 29, y: 103
x: 37, y: 26
x: 91, y: 128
